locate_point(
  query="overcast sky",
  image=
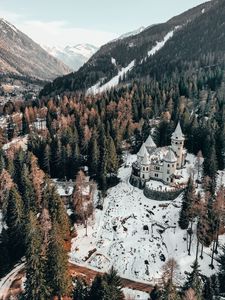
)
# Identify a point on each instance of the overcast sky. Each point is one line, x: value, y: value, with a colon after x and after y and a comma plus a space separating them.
x: 69, y: 22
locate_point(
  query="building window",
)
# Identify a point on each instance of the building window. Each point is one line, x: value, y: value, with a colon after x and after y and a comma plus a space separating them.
x: 172, y: 166
x: 167, y: 179
x: 143, y: 176
x: 143, y: 168
x: 176, y: 143
x: 180, y: 143
x: 168, y: 171
x: 147, y: 169
x: 156, y: 175
x: 168, y: 165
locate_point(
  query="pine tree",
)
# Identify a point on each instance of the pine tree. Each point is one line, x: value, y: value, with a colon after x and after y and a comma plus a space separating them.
x: 94, y: 156
x: 81, y: 290
x: 112, y: 159
x: 56, y: 208
x: 27, y: 191
x: 14, y: 221
x: 58, y: 279
x: 46, y: 159
x: 112, y: 286
x: 156, y: 293
x: 194, y: 280
x: 35, y: 286
x: 4, y: 257
x: 188, y: 200
x: 97, y: 288
x: 221, y: 262
x: 208, y: 291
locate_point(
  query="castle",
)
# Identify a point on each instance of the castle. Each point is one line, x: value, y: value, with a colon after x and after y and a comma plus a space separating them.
x: 161, y: 163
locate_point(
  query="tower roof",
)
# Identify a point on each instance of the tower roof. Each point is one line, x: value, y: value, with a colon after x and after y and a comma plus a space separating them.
x: 170, y: 156
x: 178, y: 134
x: 149, y: 143
x: 145, y: 160
x: 142, y: 151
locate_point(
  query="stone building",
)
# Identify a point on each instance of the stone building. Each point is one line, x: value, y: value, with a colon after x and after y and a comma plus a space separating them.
x: 162, y: 163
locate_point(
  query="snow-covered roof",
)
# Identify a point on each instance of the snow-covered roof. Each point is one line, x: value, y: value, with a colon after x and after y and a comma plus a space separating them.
x: 145, y: 160
x: 178, y: 134
x: 170, y: 156
x: 149, y: 143
x: 142, y: 150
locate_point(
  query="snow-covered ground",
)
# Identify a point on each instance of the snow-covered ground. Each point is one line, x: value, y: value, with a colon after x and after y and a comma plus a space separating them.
x: 111, y: 83
x: 6, y: 281
x: 116, y: 235
x: 135, y: 295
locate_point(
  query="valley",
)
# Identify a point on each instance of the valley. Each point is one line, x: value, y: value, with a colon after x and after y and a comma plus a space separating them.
x: 112, y: 158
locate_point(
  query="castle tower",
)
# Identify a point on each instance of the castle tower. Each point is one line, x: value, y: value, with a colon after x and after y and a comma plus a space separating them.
x: 177, y: 142
x: 169, y: 166
x: 150, y: 144
x: 141, y: 153
x: 145, y: 166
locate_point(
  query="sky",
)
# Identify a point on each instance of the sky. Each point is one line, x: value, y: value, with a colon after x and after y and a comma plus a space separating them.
x: 70, y: 22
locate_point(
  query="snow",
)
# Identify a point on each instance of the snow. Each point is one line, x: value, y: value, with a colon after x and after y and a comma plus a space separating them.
x: 9, y: 25
x: 111, y: 83
x: 17, y: 142
x: 113, y: 61
x: 64, y: 188
x: 203, y: 10
x: 131, y: 33
x: 160, y: 44
x: 6, y: 281
x: 135, y: 295
x: 118, y: 237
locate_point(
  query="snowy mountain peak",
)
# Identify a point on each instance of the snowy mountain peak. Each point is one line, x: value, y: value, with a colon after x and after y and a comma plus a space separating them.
x: 73, y: 56
x: 8, y: 25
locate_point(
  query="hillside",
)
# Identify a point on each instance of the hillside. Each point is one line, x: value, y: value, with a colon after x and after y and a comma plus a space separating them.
x: 122, y: 55
x: 19, y: 55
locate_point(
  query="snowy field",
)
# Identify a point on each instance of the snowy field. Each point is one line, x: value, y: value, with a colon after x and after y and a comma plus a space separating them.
x: 116, y: 235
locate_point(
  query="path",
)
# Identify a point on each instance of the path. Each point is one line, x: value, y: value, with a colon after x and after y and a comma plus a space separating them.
x: 9, y: 284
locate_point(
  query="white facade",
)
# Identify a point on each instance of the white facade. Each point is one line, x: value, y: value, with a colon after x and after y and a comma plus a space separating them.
x: 161, y: 163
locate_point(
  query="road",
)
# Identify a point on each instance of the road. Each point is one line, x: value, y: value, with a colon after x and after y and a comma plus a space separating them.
x: 9, y: 284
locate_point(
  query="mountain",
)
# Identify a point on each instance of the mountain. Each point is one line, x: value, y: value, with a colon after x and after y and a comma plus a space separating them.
x: 131, y: 33
x: 157, y: 49
x: 73, y: 56
x: 19, y: 55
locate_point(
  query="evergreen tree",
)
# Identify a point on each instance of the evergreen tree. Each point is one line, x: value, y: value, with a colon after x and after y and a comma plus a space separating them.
x: 112, y: 286
x: 27, y: 190
x: 112, y: 160
x: 94, y: 156
x: 46, y: 159
x: 81, y: 290
x: 4, y: 257
x: 35, y: 286
x: 156, y: 293
x: 14, y: 221
x: 97, y: 289
x: 188, y: 200
x: 58, y: 279
x: 221, y: 261
x: 208, y: 291
x: 194, y: 281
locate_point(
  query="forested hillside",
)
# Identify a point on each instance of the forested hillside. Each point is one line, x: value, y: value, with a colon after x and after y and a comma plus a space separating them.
x: 101, y: 68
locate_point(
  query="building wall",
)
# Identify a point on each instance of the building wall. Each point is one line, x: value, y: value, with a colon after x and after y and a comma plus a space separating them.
x: 178, y: 146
